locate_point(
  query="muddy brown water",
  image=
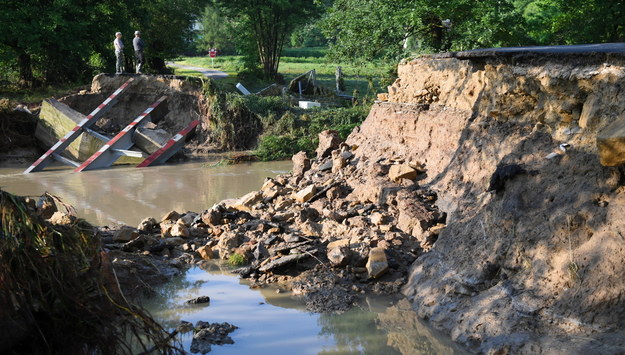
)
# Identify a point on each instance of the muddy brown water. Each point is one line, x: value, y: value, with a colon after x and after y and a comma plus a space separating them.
x: 270, y: 322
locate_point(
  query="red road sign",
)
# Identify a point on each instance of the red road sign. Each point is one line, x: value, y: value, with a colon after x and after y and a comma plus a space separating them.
x: 212, y: 52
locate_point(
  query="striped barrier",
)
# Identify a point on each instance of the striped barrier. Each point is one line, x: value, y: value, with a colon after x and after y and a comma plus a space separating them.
x: 93, y: 117
x: 114, y: 148
x: 170, y: 148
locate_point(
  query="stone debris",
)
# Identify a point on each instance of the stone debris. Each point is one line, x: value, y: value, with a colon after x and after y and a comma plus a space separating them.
x: 208, y: 334
x: 199, y: 300
x: 303, y: 229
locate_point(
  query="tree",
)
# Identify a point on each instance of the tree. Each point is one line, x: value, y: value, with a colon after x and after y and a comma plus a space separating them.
x: 379, y: 28
x: 56, y: 41
x: 218, y: 31
x: 269, y: 22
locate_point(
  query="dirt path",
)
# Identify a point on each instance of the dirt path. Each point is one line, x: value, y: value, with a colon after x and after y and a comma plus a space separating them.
x: 209, y: 73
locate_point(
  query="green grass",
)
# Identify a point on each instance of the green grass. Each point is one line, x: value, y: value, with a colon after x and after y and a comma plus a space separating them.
x: 367, y: 79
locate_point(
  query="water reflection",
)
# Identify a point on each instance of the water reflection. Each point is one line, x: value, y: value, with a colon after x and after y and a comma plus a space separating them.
x: 128, y: 194
x: 272, y: 323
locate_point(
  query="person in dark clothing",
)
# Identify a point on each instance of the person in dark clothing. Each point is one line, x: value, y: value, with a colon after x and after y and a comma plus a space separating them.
x: 138, y: 44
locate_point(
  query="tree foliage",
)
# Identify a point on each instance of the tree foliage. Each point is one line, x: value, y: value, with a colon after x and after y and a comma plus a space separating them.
x: 56, y: 41
x: 386, y: 28
x: 268, y: 23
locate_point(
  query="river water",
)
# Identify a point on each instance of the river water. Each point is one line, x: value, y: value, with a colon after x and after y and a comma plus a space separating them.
x: 269, y: 322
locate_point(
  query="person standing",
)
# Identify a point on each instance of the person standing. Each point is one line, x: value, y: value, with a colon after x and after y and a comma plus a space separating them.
x: 119, y: 53
x: 138, y: 43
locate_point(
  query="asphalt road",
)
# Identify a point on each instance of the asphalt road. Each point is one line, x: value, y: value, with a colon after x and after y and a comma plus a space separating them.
x: 567, y: 50
x: 209, y: 73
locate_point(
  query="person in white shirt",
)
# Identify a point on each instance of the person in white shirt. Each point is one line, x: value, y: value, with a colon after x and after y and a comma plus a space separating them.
x: 119, y: 53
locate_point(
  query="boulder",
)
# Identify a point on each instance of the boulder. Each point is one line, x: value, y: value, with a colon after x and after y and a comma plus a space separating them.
x: 325, y: 166
x: 338, y: 161
x: 125, y: 234
x: 147, y: 225
x: 212, y: 217
x: 328, y: 141
x: 338, y: 256
x: 306, y: 193
x: 611, y: 143
x: 402, y: 171
x: 206, y: 252
x: 171, y: 216
x: 377, y: 264
x: 180, y: 230
x: 188, y: 218
x: 248, y: 201
x: 227, y: 243
x: 377, y: 218
x: 199, y: 300
x: 301, y: 164
x: 166, y: 228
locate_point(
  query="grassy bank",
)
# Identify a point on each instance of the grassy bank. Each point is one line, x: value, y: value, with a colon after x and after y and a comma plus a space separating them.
x: 366, y: 79
x: 280, y: 128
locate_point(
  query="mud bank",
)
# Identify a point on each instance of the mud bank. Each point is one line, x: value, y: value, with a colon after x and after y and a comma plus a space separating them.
x: 537, y: 266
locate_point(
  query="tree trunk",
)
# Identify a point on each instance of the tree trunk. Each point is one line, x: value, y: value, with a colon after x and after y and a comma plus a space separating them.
x: 24, y: 64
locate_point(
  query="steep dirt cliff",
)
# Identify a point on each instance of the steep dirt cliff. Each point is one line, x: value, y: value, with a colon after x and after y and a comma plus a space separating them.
x: 537, y: 266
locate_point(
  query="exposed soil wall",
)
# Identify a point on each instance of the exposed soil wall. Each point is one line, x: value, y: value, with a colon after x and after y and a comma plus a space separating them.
x: 539, y: 265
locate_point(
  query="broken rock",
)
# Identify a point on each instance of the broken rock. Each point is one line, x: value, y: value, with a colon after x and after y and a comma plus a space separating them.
x: 328, y: 141
x: 171, y: 216
x: 611, y: 143
x: 125, y: 234
x: 402, y: 171
x: 212, y: 217
x: 377, y: 264
x: 206, y: 252
x: 301, y: 164
x: 147, y: 225
x: 306, y: 194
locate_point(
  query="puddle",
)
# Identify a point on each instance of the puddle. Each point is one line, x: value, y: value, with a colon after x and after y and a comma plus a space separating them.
x: 272, y: 323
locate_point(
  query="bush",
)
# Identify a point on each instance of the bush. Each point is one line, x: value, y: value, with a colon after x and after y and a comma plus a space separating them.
x: 298, y: 130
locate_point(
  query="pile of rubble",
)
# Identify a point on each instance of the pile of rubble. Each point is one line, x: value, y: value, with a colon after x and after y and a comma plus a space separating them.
x: 306, y: 231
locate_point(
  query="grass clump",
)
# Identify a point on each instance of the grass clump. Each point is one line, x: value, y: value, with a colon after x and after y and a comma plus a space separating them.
x: 237, y: 259
x: 58, y: 292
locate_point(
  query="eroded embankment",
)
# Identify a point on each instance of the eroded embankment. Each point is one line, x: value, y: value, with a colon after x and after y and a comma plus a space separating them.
x: 537, y: 266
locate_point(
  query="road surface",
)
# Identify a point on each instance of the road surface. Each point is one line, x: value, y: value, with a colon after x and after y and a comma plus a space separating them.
x: 209, y: 73
x: 565, y: 50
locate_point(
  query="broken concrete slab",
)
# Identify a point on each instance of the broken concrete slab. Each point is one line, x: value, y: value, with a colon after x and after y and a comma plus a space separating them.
x: 56, y: 119
x: 150, y: 140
